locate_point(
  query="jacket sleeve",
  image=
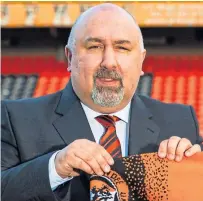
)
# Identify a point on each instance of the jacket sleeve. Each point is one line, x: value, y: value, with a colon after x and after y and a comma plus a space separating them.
x: 22, y: 181
x: 199, y: 139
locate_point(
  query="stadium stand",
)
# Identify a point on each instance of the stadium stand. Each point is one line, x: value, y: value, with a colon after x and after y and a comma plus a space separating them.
x: 168, y: 78
x: 33, y: 62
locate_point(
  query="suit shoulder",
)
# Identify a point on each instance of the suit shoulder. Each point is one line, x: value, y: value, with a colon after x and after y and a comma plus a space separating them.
x: 155, y: 104
x: 171, y: 112
x: 33, y: 103
x: 174, y: 118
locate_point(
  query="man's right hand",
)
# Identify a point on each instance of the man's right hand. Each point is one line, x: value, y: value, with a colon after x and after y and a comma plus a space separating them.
x: 84, y: 155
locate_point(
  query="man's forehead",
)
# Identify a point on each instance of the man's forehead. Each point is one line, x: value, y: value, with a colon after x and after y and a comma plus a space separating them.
x: 116, y: 40
x: 107, y: 32
x: 102, y: 34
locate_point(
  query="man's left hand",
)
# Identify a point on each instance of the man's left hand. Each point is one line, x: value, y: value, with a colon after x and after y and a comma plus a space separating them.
x: 175, y: 148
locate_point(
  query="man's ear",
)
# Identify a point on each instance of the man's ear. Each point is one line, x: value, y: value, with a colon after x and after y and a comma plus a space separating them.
x: 144, y: 52
x: 68, y: 54
x: 143, y: 58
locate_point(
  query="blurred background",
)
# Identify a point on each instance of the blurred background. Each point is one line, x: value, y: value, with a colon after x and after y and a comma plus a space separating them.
x: 33, y: 37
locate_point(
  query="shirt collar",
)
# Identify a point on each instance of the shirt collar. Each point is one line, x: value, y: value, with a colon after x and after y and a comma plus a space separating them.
x: 122, y: 114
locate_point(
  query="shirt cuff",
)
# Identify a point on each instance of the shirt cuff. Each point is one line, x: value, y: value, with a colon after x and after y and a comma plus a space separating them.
x: 54, y: 178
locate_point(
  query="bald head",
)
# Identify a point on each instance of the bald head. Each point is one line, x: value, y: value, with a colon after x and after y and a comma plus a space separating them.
x: 95, y: 14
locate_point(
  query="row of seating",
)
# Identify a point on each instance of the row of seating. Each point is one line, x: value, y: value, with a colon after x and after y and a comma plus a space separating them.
x: 32, y: 64
x: 26, y: 86
x: 174, y: 64
x: 17, y: 86
x: 156, y: 64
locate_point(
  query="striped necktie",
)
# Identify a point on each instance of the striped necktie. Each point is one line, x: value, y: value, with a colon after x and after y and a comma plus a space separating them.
x: 109, y: 139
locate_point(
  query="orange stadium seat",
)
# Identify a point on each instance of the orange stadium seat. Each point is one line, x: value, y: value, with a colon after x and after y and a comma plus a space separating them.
x: 50, y: 83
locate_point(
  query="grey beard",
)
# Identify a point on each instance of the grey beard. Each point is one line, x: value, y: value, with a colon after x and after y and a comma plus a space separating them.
x: 107, y: 96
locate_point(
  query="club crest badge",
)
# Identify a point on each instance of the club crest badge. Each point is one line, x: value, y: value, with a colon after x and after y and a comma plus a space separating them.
x: 109, y: 187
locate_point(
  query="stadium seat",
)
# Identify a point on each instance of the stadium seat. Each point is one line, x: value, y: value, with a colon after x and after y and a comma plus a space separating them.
x: 145, y: 85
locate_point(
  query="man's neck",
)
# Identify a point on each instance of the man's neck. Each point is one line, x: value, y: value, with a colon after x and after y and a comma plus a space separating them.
x: 107, y: 110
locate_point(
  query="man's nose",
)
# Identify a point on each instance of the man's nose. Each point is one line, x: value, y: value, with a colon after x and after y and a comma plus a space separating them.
x: 109, y: 59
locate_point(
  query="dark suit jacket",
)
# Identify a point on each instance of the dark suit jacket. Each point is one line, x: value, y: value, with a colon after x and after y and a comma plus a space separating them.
x: 33, y: 129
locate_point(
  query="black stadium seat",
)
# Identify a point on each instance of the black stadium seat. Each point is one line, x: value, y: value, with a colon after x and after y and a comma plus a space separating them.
x: 17, y: 86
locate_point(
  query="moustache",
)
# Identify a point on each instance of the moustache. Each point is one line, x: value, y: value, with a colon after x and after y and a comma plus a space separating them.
x: 108, y: 74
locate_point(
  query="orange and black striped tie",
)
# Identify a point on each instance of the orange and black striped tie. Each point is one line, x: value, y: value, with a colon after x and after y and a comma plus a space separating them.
x: 109, y: 139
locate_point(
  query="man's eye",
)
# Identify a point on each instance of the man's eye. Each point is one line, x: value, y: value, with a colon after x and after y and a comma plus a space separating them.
x: 123, y: 48
x: 94, y: 47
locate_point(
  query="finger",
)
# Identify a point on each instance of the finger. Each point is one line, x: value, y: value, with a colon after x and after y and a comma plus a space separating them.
x: 104, y: 159
x: 74, y: 174
x: 102, y: 150
x: 77, y: 163
x: 172, y: 145
x: 183, y: 145
x: 109, y: 159
x: 102, y: 162
x: 90, y: 160
x: 163, y: 149
x: 194, y: 149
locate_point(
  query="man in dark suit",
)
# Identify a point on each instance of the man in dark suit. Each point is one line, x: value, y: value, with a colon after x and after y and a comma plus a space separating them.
x: 50, y: 144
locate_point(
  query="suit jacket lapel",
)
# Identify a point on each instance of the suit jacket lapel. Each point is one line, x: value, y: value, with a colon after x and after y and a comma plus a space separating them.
x: 143, y: 132
x: 73, y: 123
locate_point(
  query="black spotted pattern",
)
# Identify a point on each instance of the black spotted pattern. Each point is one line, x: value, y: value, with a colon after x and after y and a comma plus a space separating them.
x: 147, y: 177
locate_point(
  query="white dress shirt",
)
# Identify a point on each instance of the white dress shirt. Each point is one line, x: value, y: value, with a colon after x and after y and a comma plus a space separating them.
x: 122, y: 131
